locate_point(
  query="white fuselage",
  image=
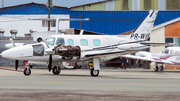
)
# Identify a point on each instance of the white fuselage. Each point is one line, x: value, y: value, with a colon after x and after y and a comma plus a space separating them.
x: 88, y: 44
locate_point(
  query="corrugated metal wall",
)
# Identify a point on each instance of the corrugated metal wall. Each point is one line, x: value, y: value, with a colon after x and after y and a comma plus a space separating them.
x: 116, y: 22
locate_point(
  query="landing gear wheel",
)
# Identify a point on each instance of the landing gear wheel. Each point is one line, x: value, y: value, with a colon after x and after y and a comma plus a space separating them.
x: 156, y: 69
x: 94, y: 73
x: 27, y: 72
x: 161, y: 68
x: 56, y: 70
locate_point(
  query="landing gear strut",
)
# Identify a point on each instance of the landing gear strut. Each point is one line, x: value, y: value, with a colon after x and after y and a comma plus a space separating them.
x: 161, y: 68
x: 156, y: 67
x: 56, y: 70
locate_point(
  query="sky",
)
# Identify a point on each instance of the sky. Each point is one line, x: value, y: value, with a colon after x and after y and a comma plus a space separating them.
x: 64, y: 3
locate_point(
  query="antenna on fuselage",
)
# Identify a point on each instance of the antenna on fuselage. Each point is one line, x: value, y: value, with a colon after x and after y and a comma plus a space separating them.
x: 57, y: 21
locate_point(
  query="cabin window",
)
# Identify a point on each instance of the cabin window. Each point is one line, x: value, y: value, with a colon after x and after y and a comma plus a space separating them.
x: 38, y: 50
x: 84, y: 42
x: 171, y: 51
x: 70, y: 42
x: 96, y: 42
x: 50, y: 40
x: 177, y: 53
x: 60, y: 41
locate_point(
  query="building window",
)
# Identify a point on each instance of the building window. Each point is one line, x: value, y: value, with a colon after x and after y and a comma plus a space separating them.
x: 96, y: 42
x: 172, y: 4
x: 45, y: 23
x: 147, y: 4
x: 125, y: 5
x: 173, y: 40
x: 70, y: 42
x: 84, y: 42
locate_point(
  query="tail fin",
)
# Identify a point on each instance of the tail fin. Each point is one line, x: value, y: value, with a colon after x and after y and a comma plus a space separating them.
x: 143, y: 31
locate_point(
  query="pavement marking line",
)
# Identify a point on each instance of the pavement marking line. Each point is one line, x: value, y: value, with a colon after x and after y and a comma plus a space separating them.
x: 77, y: 83
x: 11, y: 70
x: 43, y: 69
x: 78, y: 70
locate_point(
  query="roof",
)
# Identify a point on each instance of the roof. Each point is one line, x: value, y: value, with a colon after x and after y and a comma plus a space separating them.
x: 91, y: 3
x: 32, y: 8
x: 166, y: 23
x: 31, y: 3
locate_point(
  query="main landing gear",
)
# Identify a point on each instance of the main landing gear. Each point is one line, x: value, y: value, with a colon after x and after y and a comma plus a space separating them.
x: 94, y: 73
x: 156, y: 69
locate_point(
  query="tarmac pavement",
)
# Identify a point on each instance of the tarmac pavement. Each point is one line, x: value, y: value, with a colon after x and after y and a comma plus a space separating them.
x: 77, y: 85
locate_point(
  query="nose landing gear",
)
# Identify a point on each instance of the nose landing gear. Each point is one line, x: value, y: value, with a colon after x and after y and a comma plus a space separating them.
x: 56, y: 70
x: 27, y: 71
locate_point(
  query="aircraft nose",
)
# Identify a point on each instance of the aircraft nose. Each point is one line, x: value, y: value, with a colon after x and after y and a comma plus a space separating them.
x: 18, y: 53
x: 8, y: 54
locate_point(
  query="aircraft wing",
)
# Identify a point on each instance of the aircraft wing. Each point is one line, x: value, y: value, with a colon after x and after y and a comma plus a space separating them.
x: 152, y: 59
x: 159, y: 44
x: 105, y: 53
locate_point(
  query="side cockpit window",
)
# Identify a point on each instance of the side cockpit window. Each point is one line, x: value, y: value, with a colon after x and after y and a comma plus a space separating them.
x: 166, y: 51
x: 50, y: 40
x: 60, y: 41
x: 38, y: 50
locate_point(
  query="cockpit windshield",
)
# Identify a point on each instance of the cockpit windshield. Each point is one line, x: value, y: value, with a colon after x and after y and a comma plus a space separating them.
x: 50, y: 40
x: 166, y: 51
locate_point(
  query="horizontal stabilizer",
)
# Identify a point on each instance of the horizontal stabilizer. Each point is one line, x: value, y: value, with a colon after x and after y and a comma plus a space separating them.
x: 59, y: 19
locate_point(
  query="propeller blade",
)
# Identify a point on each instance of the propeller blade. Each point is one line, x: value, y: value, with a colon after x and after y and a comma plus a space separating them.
x: 50, y: 62
x: 11, y: 40
x: 16, y: 64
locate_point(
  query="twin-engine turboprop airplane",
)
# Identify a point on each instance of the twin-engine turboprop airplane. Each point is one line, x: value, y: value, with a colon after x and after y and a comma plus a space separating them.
x: 170, y: 55
x: 94, y: 48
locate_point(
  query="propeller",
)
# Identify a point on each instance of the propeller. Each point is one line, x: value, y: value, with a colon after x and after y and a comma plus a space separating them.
x: 16, y: 64
x: 50, y: 62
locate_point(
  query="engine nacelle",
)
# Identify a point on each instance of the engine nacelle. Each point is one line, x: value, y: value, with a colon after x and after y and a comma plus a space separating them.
x: 68, y: 52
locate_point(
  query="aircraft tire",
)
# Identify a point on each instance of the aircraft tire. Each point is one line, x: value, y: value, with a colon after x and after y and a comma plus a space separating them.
x: 161, y: 68
x: 94, y: 73
x: 156, y: 69
x: 56, y: 70
x: 27, y: 72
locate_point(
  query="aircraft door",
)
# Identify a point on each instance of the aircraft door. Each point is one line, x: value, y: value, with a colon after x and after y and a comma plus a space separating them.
x: 38, y: 50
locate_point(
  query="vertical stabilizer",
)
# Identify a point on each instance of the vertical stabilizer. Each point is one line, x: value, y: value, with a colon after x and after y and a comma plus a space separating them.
x: 143, y: 31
